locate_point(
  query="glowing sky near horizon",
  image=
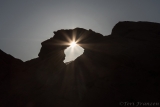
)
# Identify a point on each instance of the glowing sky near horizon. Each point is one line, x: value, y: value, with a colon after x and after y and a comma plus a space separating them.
x: 73, y: 51
x: 24, y: 24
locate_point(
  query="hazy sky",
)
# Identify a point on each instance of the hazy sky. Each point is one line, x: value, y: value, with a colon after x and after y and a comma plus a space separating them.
x: 24, y: 24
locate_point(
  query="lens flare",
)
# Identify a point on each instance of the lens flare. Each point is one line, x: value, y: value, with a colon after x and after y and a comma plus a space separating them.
x: 73, y: 44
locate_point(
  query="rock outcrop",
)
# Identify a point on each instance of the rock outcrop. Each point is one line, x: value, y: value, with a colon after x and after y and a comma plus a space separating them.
x: 114, y: 69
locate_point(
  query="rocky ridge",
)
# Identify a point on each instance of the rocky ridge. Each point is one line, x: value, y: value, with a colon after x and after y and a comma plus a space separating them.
x: 120, y: 67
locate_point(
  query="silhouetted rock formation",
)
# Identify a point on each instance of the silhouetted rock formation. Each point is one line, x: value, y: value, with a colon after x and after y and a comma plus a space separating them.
x: 121, y: 67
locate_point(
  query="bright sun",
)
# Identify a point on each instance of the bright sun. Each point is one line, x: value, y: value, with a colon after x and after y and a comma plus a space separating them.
x: 73, y: 44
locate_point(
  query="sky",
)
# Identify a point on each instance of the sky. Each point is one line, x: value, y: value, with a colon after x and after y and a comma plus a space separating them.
x: 24, y: 24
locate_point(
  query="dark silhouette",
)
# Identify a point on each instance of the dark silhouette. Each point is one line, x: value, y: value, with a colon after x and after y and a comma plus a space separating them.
x: 120, y: 69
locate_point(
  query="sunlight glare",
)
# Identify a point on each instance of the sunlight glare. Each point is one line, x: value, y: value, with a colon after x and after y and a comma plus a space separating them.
x: 73, y: 44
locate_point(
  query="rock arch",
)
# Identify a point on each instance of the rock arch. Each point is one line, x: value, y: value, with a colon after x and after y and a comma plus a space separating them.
x: 123, y: 66
x: 59, y: 41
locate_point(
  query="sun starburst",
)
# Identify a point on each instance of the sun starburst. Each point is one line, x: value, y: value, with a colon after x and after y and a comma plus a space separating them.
x: 73, y: 44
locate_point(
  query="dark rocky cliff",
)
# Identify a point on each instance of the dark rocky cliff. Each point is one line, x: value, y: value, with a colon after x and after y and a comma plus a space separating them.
x: 121, y: 67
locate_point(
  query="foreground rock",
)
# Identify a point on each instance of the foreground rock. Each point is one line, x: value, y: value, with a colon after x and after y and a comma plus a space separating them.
x: 122, y: 67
